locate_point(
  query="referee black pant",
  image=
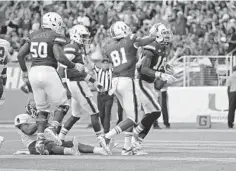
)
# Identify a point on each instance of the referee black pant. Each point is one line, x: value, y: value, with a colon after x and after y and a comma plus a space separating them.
x: 232, y: 107
x: 105, y: 102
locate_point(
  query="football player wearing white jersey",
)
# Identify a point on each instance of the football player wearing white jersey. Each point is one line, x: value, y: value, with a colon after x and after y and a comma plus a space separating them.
x: 45, y: 47
x: 81, y: 101
x: 4, y: 53
x: 27, y: 129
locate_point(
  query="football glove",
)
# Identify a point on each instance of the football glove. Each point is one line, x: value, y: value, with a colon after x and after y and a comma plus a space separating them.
x: 168, y: 78
x: 169, y: 69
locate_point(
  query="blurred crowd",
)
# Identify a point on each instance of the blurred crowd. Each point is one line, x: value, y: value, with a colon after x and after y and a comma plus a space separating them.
x: 199, y: 27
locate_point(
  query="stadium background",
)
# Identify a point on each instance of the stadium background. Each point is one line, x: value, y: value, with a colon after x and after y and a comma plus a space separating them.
x: 200, y: 28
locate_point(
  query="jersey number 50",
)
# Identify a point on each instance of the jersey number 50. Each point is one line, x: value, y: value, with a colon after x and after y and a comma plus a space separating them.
x: 118, y: 57
x: 39, y: 49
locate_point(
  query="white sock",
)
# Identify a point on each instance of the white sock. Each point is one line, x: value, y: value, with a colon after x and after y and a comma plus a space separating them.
x: 138, y: 129
x: 68, y: 151
x: 112, y: 133
x: 63, y: 133
x: 97, y: 150
x: 128, y: 138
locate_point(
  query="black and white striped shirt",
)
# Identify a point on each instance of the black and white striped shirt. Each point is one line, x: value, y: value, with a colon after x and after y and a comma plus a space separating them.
x: 104, y: 77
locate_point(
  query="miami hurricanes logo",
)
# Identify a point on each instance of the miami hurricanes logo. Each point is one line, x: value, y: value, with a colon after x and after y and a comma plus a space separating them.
x: 212, y: 103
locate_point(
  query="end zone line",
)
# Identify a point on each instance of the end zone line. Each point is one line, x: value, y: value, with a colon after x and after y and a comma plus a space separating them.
x: 125, y: 158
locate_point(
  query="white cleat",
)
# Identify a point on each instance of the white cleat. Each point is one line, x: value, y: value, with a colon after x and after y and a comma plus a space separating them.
x: 127, y: 152
x: 1, y: 141
x: 103, y: 144
x: 75, y: 147
x: 137, y: 144
x: 138, y: 152
x: 113, y: 144
x: 51, y: 136
x: 101, y: 151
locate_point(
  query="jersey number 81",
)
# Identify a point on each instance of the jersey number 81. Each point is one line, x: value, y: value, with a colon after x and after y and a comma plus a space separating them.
x: 39, y: 49
x: 118, y: 57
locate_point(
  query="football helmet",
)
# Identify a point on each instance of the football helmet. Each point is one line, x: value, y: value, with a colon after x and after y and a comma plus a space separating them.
x: 80, y: 34
x: 23, y: 119
x: 163, y: 34
x: 120, y: 30
x: 53, y: 21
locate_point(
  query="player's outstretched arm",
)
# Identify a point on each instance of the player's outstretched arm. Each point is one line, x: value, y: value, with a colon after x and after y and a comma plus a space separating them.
x: 61, y: 58
x: 144, y: 41
x: 24, y: 50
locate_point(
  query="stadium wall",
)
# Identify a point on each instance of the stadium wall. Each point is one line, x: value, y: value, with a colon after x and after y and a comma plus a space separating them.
x: 184, y: 103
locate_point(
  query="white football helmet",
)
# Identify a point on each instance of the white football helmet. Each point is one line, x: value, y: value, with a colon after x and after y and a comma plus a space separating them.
x: 80, y: 34
x: 120, y: 30
x: 53, y: 21
x: 22, y: 119
x: 163, y: 34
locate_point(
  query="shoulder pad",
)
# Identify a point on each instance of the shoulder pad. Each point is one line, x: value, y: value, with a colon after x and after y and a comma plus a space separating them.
x: 150, y: 47
x: 62, y: 40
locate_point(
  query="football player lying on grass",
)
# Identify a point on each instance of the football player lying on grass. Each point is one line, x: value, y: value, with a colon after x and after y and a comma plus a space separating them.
x: 27, y: 129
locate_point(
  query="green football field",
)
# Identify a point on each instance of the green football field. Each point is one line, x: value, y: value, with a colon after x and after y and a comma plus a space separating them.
x: 180, y: 149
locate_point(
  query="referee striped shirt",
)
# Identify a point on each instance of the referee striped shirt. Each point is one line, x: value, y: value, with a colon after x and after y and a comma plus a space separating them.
x: 104, y: 77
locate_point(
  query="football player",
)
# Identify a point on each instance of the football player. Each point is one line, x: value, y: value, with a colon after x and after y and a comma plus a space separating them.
x: 81, y: 101
x: 27, y: 128
x: 44, y: 45
x: 153, y: 67
x: 122, y: 53
x: 4, y: 53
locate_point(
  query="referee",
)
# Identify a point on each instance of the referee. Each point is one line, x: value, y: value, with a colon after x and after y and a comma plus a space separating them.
x: 231, y: 83
x: 103, y: 74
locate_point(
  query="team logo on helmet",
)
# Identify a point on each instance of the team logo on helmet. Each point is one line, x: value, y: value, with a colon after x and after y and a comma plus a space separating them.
x: 120, y: 30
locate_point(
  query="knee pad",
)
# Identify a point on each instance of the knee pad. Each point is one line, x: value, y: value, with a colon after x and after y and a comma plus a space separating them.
x: 149, y: 119
x: 63, y: 109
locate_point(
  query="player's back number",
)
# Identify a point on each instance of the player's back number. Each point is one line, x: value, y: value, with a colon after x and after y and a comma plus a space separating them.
x: 118, y: 57
x: 39, y: 49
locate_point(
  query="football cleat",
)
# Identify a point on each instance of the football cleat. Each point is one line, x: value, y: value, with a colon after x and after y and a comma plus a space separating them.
x: 136, y: 143
x: 50, y: 135
x: 104, y: 145
x: 101, y: 151
x: 127, y: 152
x: 138, y: 152
x: 113, y: 144
x: 75, y: 148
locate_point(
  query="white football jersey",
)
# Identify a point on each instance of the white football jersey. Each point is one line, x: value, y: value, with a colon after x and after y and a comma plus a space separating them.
x: 27, y: 139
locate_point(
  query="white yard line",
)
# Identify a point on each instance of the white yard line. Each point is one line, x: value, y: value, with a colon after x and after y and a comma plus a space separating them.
x: 123, y: 158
